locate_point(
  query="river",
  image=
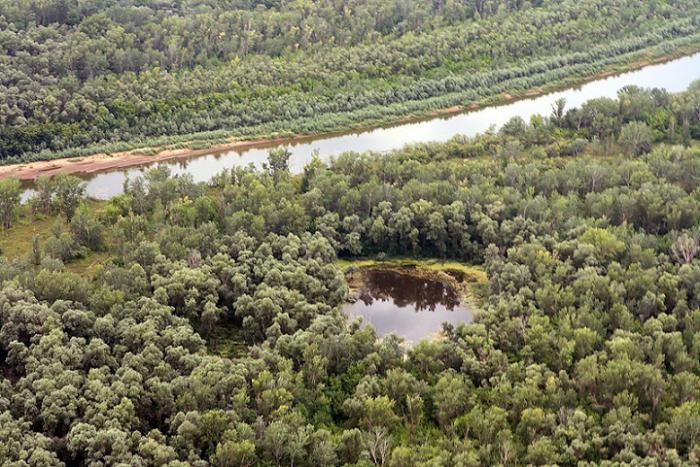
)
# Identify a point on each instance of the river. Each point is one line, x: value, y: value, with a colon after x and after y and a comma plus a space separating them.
x: 675, y: 76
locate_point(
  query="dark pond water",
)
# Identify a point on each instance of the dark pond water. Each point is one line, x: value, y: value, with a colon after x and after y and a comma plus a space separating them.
x: 674, y: 76
x: 410, y: 306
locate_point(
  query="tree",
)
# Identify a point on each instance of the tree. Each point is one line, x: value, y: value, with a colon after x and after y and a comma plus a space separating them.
x: 69, y: 193
x: 350, y: 446
x: 284, y: 440
x: 10, y: 191
x: 36, y: 254
x: 235, y: 454
x: 606, y: 245
x: 278, y: 162
x: 684, y: 249
x: 414, y: 412
x: 636, y: 137
x: 376, y: 416
x: 42, y: 201
x: 558, y: 111
x: 87, y: 230
x: 452, y: 398
x: 684, y: 426
x: 322, y: 452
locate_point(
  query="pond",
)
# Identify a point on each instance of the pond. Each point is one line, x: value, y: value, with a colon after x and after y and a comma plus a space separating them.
x: 411, y: 306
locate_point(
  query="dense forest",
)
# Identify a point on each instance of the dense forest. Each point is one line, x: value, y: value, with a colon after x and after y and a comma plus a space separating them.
x: 586, y: 349
x: 79, y: 77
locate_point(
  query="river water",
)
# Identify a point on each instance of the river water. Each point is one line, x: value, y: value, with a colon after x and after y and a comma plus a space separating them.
x: 410, y: 306
x: 675, y: 76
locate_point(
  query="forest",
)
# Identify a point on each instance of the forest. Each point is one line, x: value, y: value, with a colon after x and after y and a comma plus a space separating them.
x: 79, y: 77
x: 585, y: 350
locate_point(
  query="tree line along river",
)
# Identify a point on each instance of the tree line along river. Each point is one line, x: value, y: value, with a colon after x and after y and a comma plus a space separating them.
x: 674, y: 76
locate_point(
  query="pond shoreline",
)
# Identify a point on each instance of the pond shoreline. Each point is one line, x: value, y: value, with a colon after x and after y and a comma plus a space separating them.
x: 410, y: 300
x: 463, y: 283
x: 103, y: 162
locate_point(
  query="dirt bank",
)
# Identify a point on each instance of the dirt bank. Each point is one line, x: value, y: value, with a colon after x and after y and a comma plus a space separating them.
x: 463, y: 283
x: 105, y: 162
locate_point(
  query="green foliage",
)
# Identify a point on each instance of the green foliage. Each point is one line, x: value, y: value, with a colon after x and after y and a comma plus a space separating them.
x: 108, y: 76
x: 606, y: 245
x: 585, y: 351
x: 636, y: 137
x: 9, y: 201
x: 68, y: 193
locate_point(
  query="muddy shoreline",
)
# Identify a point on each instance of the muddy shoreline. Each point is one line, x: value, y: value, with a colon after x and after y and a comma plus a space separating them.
x: 455, y: 280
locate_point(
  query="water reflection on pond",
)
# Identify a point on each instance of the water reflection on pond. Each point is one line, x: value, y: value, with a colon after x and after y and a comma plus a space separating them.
x: 412, y: 307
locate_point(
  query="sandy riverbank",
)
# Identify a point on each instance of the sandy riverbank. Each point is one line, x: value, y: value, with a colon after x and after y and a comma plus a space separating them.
x: 120, y: 160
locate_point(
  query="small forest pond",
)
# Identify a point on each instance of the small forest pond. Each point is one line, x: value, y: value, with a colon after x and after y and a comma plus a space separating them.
x: 408, y: 305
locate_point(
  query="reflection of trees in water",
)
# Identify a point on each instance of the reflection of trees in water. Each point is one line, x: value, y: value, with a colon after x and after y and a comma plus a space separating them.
x: 407, y: 290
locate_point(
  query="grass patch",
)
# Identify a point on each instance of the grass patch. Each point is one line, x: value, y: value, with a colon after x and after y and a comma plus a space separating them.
x: 87, y: 265
x: 16, y: 242
x: 227, y: 341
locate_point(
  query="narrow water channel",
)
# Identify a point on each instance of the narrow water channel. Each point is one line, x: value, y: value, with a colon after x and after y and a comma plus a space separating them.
x: 675, y: 76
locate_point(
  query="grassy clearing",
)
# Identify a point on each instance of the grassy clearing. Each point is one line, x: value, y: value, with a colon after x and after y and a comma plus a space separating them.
x: 227, y: 341
x: 87, y: 265
x: 16, y: 242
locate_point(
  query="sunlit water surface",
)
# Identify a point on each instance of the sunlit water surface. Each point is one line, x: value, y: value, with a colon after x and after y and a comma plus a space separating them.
x: 411, y: 307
